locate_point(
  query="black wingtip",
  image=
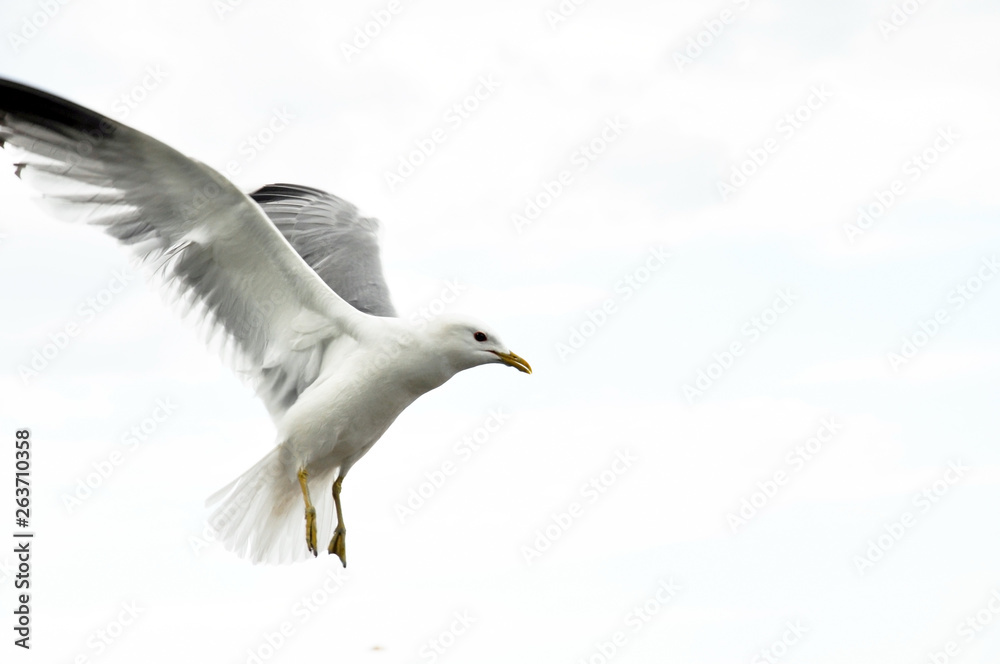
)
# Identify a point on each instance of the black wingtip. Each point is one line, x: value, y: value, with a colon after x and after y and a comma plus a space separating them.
x: 18, y: 168
x: 51, y: 111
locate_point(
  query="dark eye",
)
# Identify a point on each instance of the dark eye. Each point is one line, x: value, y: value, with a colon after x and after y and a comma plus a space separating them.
x: 479, y: 336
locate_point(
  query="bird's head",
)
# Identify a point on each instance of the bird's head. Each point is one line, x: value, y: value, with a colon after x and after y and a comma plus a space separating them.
x: 465, y: 344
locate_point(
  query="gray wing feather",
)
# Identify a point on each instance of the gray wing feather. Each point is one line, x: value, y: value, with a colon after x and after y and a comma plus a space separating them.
x: 338, y: 243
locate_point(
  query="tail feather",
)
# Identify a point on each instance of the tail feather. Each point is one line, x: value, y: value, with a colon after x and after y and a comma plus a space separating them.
x: 261, y: 514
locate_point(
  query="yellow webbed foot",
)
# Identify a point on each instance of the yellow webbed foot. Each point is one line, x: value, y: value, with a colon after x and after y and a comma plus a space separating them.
x: 338, y: 544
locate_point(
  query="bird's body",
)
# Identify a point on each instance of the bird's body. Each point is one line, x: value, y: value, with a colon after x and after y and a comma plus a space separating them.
x: 333, y: 423
x: 340, y: 416
x: 291, y: 279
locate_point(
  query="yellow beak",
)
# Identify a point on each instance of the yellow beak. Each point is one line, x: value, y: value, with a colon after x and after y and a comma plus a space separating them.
x: 514, y: 360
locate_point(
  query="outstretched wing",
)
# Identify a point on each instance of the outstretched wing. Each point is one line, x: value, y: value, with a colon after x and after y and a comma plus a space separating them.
x: 338, y: 243
x: 213, y: 246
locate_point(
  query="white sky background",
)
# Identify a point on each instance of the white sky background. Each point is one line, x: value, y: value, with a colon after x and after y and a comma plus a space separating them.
x: 656, y: 185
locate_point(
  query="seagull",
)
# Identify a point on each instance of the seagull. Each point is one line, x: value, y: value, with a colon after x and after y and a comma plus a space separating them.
x: 288, y: 277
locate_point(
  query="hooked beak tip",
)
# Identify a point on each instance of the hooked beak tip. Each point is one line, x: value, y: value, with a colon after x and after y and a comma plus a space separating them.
x: 514, y: 360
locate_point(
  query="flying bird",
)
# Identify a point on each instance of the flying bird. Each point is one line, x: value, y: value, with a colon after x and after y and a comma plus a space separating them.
x: 290, y: 277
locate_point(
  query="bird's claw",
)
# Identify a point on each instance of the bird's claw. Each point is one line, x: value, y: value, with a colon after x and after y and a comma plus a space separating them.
x: 338, y: 544
x: 311, y: 530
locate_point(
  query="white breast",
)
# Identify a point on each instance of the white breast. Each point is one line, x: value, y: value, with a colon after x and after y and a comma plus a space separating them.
x: 343, y: 414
